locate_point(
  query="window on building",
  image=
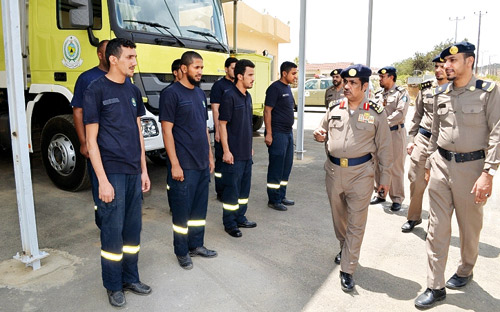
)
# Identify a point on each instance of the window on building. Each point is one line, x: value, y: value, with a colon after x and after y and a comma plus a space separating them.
x: 63, y: 7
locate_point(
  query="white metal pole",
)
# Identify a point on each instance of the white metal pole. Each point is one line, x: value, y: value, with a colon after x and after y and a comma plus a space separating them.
x: 235, y: 26
x: 30, y: 255
x: 369, y: 43
x: 302, y: 76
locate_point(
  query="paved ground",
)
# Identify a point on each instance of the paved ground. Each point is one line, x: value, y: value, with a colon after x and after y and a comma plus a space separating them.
x: 285, y: 264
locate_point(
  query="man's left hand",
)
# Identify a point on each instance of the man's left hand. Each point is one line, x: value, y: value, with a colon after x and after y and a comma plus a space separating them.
x: 482, y: 188
x: 146, y: 183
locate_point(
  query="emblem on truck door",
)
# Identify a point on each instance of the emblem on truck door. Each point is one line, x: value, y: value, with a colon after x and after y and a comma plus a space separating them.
x: 72, y: 52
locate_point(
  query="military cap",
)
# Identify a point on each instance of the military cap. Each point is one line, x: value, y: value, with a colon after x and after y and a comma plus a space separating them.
x: 461, y: 47
x: 438, y: 59
x: 387, y: 70
x: 336, y: 71
x: 357, y: 70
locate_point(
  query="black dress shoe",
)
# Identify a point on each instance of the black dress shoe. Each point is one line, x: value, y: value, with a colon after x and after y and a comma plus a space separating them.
x: 346, y: 282
x: 234, y: 232
x: 377, y: 200
x: 338, y: 257
x: 395, y: 207
x: 116, y: 298
x: 185, y: 262
x: 247, y: 224
x: 277, y: 206
x: 288, y: 202
x: 457, y: 282
x: 429, y: 298
x: 137, y: 288
x: 409, y: 225
x: 203, y: 252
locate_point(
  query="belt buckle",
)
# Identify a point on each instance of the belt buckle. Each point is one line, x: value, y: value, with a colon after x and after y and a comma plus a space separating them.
x: 344, y: 162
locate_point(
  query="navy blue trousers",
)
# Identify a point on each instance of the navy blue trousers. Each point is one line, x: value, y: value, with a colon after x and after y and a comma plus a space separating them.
x: 120, y: 231
x: 219, y: 186
x: 188, y: 200
x: 280, y: 166
x: 237, y: 179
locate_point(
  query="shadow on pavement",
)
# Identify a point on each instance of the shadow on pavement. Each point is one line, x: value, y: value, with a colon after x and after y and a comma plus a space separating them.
x: 378, y: 281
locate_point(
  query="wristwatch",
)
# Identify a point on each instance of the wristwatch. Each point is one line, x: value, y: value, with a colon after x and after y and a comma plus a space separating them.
x: 490, y: 171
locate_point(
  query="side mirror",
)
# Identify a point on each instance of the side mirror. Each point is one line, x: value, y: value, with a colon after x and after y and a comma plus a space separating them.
x: 82, y: 16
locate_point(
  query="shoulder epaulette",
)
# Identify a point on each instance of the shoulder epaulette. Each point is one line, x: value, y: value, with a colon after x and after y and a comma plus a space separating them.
x: 442, y: 89
x: 378, y: 108
x: 485, y: 85
x: 400, y: 89
x: 379, y: 91
x: 332, y: 104
x: 425, y: 85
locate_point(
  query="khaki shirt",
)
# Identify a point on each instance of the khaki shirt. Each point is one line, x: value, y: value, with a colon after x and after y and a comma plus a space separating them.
x: 331, y: 94
x: 395, y: 102
x: 363, y: 132
x: 467, y: 120
x: 423, y: 112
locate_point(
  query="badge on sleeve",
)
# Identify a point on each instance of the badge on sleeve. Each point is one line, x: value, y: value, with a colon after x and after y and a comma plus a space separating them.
x: 405, y: 98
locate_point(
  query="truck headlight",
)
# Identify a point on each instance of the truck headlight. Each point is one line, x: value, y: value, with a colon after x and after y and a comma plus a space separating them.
x: 149, y: 127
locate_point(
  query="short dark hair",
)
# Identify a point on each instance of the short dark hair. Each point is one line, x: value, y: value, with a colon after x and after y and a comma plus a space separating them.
x: 229, y: 61
x: 241, y: 67
x: 114, y: 47
x: 287, y: 67
x: 175, y: 65
x: 394, y: 75
x: 101, y: 43
x: 469, y: 54
x: 364, y: 80
x: 188, y: 57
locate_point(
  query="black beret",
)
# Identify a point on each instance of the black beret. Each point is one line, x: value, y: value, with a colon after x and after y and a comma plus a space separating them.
x: 336, y: 71
x: 438, y: 59
x: 461, y: 47
x: 357, y: 70
x: 387, y: 70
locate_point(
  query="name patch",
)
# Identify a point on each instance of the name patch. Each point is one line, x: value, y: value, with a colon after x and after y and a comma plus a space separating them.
x: 110, y: 101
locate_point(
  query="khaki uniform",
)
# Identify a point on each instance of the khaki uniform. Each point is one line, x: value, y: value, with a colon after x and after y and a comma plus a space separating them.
x: 420, y: 129
x: 331, y: 94
x: 363, y: 132
x: 395, y: 102
x: 465, y: 120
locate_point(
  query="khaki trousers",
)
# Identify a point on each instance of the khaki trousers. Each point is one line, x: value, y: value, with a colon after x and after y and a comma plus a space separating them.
x: 397, y: 190
x: 416, y: 176
x: 349, y: 190
x: 450, y: 188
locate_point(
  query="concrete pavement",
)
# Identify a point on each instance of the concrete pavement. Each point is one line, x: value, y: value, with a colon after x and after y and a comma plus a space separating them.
x: 285, y: 264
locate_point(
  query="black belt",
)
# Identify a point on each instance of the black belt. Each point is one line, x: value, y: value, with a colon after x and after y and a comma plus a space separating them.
x: 348, y: 162
x: 396, y: 127
x: 425, y: 132
x: 461, y: 157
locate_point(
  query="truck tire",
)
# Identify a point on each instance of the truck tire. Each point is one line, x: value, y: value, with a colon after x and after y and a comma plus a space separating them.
x: 158, y: 157
x: 257, y: 122
x: 65, y: 166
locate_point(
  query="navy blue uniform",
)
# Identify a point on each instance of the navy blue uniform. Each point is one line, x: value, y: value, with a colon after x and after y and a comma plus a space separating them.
x: 115, y: 107
x: 81, y: 85
x: 218, y: 89
x: 236, y: 109
x: 279, y: 97
x: 187, y: 110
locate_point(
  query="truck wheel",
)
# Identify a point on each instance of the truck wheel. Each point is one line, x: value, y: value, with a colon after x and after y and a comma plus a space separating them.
x: 65, y: 166
x: 158, y: 157
x: 257, y: 122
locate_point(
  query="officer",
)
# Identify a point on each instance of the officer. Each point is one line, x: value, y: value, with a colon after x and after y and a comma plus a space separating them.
x: 279, y: 119
x: 419, y: 136
x: 112, y: 109
x: 354, y: 129
x: 336, y: 91
x: 218, y: 89
x: 81, y: 85
x: 463, y: 157
x: 395, y: 100
x: 183, y: 116
x: 236, y: 139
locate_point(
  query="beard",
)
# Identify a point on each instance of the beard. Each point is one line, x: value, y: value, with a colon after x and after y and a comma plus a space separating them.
x: 193, y: 81
x: 336, y: 83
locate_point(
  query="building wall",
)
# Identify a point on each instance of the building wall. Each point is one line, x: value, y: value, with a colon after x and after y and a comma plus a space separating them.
x: 256, y: 32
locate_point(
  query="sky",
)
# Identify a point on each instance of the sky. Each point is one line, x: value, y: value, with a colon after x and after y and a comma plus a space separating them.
x: 336, y: 31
